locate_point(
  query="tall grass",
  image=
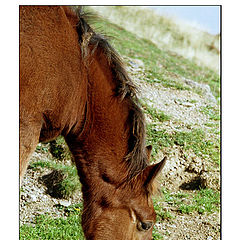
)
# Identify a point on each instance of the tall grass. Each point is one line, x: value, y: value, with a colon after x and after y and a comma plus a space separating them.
x: 167, y: 33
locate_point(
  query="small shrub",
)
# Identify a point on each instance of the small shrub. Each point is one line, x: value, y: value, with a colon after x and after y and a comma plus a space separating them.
x: 59, y: 149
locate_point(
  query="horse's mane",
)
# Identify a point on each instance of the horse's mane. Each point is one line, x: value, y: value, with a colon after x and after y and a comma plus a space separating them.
x: 125, y: 88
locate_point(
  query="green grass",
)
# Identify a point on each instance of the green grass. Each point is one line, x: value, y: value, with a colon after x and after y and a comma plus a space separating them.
x: 155, y: 114
x: 65, y: 177
x: 212, y: 112
x: 200, y: 201
x: 42, y: 147
x: 195, y: 140
x: 157, y: 235
x: 58, y: 148
x: 162, y: 214
x: 203, y: 201
x: 158, y: 138
x: 206, y: 200
x: 46, y: 227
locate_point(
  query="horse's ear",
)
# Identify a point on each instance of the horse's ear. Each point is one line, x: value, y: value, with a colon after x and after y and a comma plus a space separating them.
x: 148, y: 151
x: 150, y: 173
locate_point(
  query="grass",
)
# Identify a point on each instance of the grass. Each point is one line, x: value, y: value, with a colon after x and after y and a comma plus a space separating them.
x: 162, y: 214
x: 206, y: 200
x: 203, y: 201
x: 42, y: 147
x: 64, y: 180
x: 157, y: 235
x: 156, y: 114
x: 195, y: 140
x: 212, y: 112
x: 46, y: 227
x: 158, y: 138
x: 200, y: 201
x: 69, y: 227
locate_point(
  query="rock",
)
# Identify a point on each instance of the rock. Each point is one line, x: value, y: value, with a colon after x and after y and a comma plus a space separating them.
x: 64, y: 203
x: 33, y: 197
x: 136, y: 63
x: 55, y: 201
x: 196, y: 166
x: 209, y: 180
x: 203, y: 87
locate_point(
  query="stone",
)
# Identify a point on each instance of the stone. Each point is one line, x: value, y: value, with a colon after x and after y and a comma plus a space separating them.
x: 64, y: 203
x: 33, y: 197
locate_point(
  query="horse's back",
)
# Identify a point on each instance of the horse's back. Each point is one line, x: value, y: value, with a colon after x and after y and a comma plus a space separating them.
x: 52, y: 78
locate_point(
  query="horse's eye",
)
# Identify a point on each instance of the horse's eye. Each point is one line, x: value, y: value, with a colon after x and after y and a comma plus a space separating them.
x: 144, y: 226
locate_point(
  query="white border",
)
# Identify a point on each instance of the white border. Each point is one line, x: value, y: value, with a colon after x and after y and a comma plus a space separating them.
x: 9, y: 95
x: 230, y: 121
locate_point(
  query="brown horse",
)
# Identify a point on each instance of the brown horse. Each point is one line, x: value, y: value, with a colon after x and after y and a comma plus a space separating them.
x: 73, y: 83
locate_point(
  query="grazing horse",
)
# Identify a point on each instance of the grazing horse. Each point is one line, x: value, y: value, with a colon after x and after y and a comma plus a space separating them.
x: 74, y: 84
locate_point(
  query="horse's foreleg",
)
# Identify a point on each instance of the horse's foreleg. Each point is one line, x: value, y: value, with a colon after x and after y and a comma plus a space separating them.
x: 29, y: 138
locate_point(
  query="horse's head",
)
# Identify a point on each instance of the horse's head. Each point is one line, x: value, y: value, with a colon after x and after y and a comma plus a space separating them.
x: 128, y: 213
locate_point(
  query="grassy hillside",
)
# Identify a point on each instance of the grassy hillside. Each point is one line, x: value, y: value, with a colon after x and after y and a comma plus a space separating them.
x: 183, y: 123
x: 161, y: 63
x: 167, y: 33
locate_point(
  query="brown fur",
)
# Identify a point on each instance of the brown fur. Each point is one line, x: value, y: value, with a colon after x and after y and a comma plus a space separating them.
x: 73, y: 83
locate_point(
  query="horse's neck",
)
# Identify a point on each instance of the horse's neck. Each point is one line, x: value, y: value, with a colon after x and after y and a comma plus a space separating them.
x: 99, y: 155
